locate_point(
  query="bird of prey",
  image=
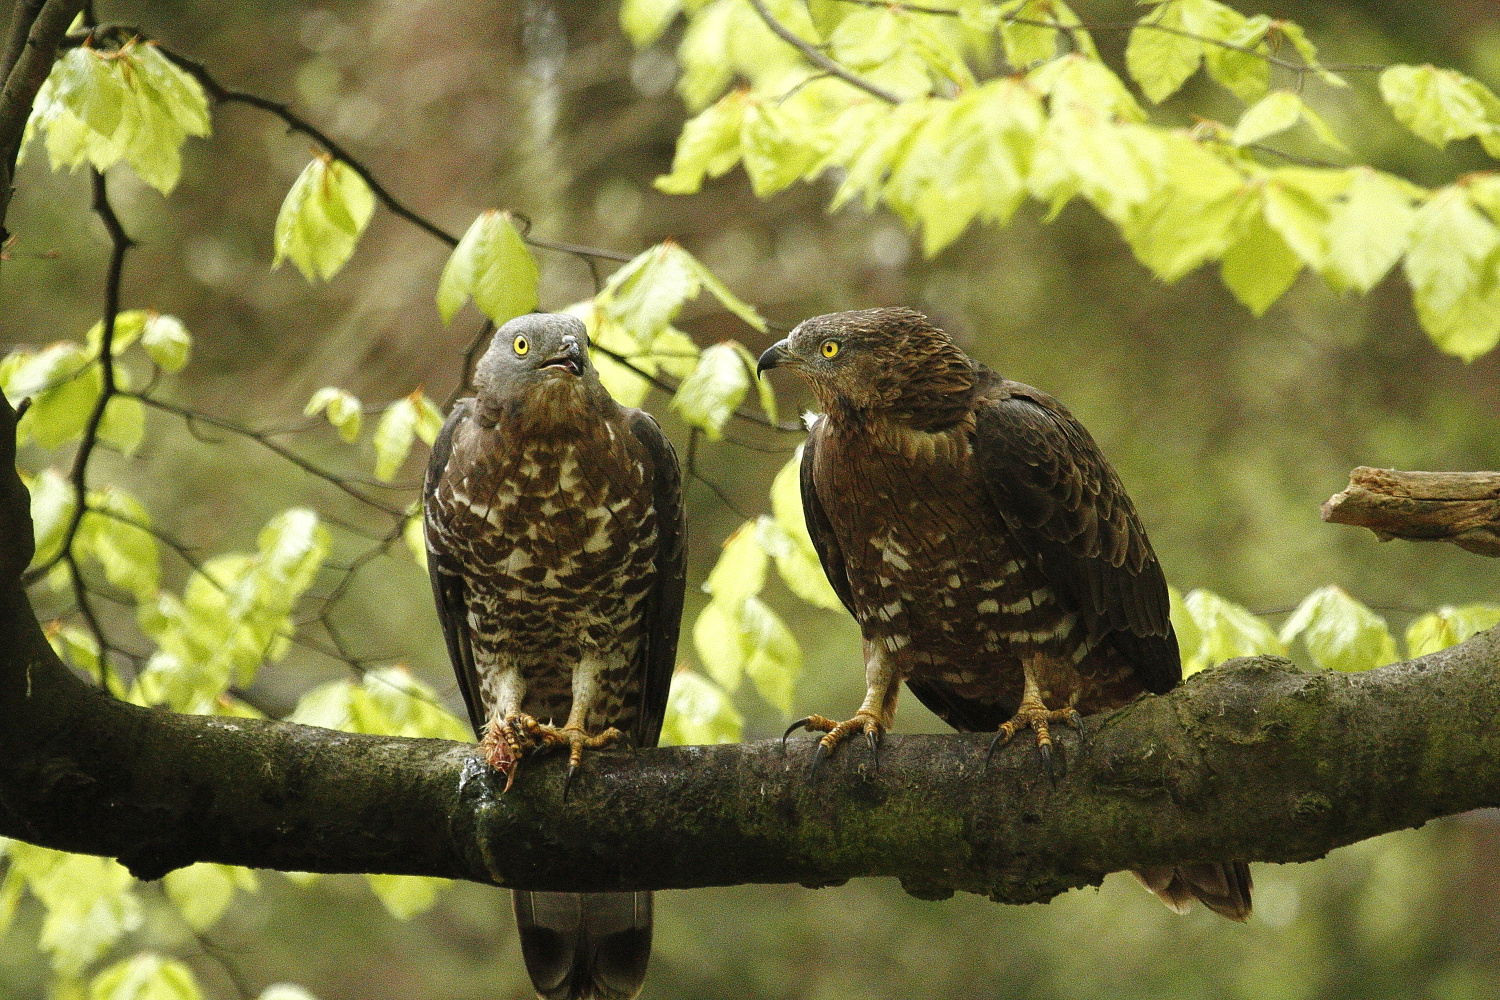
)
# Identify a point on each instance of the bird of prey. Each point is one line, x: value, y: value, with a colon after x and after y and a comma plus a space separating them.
x: 555, y: 539
x: 985, y: 546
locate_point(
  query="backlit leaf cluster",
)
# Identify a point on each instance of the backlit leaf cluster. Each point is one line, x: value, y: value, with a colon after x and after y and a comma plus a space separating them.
x: 960, y: 146
x: 132, y: 104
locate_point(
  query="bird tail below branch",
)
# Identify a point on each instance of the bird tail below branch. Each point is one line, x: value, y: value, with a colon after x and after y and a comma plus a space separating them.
x: 585, y: 946
x: 1222, y: 887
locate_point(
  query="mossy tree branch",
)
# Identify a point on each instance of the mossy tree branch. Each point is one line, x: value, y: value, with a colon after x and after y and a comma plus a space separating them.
x: 1254, y: 760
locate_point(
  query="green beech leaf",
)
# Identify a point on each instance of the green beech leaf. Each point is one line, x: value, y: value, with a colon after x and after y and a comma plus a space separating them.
x: 429, y: 417
x: 408, y: 707
x: 129, y: 325
x: 1277, y: 112
x: 394, y: 435
x: 52, y: 504
x: 77, y: 648
x: 64, y: 383
x: 1440, y: 105
x: 146, y: 976
x: 1370, y: 230
x: 1243, y: 73
x: 233, y: 615
x: 1227, y: 630
x: 285, y: 991
x: 709, y: 145
x: 343, y: 410
x: 1308, y: 51
x: 1451, y: 267
x: 1189, y: 636
x: 796, y: 562
x: 202, y: 892
x: 414, y: 534
x: 774, y: 151
x: 1340, y: 633
x: 699, y: 713
x: 1161, y: 61
x: 492, y: 265
x: 1448, y: 626
x: 114, y: 533
x: 796, y: 559
x: 717, y: 385
x: 89, y: 902
x: 716, y: 637
x: 646, y: 294
x: 1027, y: 44
x: 1259, y: 266
x: 322, y: 218
x: 132, y: 105
x: 741, y: 567
x: 1299, y: 219
x: 166, y: 341
x: 1192, y: 217
x: 773, y: 660
x: 644, y: 21
x: 405, y: 896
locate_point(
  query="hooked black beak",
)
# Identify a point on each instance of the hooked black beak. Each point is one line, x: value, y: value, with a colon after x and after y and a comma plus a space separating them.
x: 571, y: 358
x: 774, y: 356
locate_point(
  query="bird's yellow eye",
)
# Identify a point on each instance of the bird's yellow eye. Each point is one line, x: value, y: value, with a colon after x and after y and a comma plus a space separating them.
x: 830, y: 348
x: 520, y: 346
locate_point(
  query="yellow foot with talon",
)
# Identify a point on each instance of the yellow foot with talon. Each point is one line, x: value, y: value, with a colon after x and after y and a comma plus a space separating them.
x: 837, y: 732
x: 506, y: 741
x: 1037, y: 716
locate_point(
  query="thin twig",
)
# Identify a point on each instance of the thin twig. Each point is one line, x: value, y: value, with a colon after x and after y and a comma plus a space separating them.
x: 818, y: 59
x: 223, y: 95
x: 1299, y: 68
x: 78, y: 477
x: 260, y: 438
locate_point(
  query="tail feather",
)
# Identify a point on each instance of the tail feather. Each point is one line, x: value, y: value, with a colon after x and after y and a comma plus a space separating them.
x: 585, y: 946
x: 1222, y: 887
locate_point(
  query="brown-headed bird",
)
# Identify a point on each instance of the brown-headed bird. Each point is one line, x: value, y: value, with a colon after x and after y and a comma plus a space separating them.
x: 555, y: 545
x: 985, y: 546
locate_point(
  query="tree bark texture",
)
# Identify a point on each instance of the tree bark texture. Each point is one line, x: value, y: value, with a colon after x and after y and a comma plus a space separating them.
x: 1254, y: 760
x: 1458, y: 507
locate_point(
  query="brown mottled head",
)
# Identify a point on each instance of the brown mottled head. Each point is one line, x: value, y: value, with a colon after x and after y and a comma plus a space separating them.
x: 538, y: 365
x: 890, y: 360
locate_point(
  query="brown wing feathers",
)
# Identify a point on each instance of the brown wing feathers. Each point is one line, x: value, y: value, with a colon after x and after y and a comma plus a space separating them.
x: 662, y: 609
x: 1067, y: 507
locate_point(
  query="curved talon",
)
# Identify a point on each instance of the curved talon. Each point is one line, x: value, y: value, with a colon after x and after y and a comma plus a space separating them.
x: 1037, y: 716
x: 1001, y: 739
x: 568, y: 780
x: 872, y: 737
x: 799, y: 724
x: 818, y: 757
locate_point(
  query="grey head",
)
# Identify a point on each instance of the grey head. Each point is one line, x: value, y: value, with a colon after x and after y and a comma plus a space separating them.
x: 532, y: 352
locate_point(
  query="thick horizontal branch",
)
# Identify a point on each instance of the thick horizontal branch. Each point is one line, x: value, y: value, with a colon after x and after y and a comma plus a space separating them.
x: 1458, y: 507
x: 1254, y: 760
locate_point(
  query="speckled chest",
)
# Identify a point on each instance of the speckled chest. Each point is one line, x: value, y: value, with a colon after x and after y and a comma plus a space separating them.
x: 556, y: 535
x: 937, y: 578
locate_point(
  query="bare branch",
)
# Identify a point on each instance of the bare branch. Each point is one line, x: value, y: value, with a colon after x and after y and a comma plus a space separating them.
x: 1128, y: 26
x: 1458, y: 507
x: 818, y: 59
x: 264, y: 440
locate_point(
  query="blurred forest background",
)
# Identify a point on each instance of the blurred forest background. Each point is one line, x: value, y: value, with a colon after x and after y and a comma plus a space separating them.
x: 1228, y: 431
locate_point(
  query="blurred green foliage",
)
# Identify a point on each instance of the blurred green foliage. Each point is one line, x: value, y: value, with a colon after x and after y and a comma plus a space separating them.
x: 1227, y: 428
